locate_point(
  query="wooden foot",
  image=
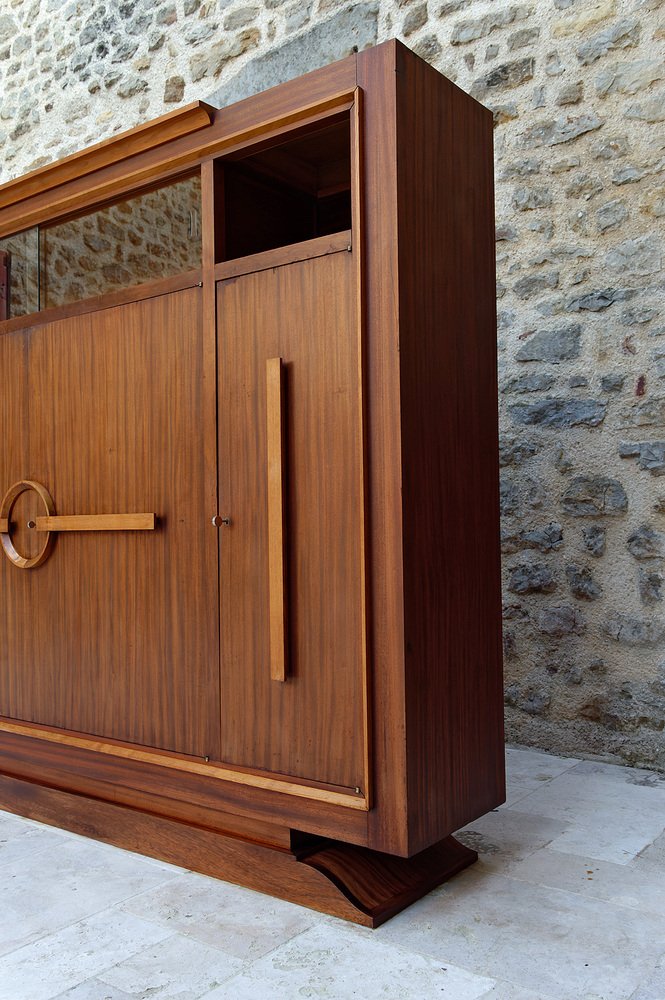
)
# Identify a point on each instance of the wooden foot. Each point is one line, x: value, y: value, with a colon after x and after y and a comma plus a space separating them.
x: 346, y: 881
x: 380, y: 885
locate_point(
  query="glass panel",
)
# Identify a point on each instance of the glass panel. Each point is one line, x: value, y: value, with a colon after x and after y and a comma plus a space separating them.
x: 19, y: 274
x: 148, y: 237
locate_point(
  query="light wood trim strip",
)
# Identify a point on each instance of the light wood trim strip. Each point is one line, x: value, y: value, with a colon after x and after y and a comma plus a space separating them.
x: 96, y: 522
x: 137, y: 293
x: 320, y: 246
x: 210, y: 769
x: 4, y: 526
x: 276, y: 532
x: 149, y: 135
x: 358, y: 223
x: 15, y: 218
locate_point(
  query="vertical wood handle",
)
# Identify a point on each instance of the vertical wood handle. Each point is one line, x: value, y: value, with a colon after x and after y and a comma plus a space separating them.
x: 276, y: 526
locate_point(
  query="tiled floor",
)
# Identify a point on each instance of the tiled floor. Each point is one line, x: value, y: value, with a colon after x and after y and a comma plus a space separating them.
x: 567, y: 902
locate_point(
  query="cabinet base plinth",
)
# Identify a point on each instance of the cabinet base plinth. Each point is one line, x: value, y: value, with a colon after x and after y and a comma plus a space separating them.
x: 354, y: 883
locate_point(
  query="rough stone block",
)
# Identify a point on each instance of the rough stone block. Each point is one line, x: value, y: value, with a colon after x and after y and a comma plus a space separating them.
x: 354, y: 27
x: 650, y: 586
x: 516, y: 452
x: 631, y: 631
x: 650, y: 455
x: 556, y: 132
x: 599, y: 299
x: 582, y: 584
x: 554, y: 346
x: 611, y: 214
x: 623, y: 34
x: 554, y: 412
x: 531, y: 578
x: 594, y: 496
x: 507, y: 75
x: 646, y: 543
x: 562, y: 620
x: 546, y: 539
x: 472, y: 30
x: 640, y: 256
x: 594, y: 540
x: 537, y: 382
x: 629, y: 78
x: 532, y: 284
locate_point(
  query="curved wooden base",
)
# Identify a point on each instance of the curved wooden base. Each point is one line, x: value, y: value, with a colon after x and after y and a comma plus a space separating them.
x: 380, y: 885
x: 354, y: 883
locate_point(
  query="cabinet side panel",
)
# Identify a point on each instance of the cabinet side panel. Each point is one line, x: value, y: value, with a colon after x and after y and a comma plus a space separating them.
x: 449, y: 454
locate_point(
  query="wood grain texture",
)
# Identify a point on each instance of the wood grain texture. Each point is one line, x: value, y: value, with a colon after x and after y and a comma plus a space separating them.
x: 33, y: 555
x: 390, y: 510
x: 152, y: 781
x: 312, y: 726
x: 377, y: 79
x: 126, y: 627
x: 353, y: 883
x: 449, y: 433
x: 318, y: 247
x: 147, y: 136
x: 96, y: 522
x: 317, y: 791
x: 381, y: 885
x: 276, y: 475
x: 278, y: 114
x: 4, y: 525
x: 149, y: 290
x: 5, y: 279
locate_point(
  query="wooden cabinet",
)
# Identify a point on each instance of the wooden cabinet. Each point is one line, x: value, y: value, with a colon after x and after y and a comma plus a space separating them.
x: 250, y: 601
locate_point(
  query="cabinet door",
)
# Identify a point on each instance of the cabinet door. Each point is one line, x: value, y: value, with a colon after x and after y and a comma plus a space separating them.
x: 311, y: 725
x: 116, y: 634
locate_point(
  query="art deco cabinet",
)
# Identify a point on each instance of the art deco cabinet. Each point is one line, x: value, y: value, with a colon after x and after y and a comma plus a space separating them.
x: 249, y: 588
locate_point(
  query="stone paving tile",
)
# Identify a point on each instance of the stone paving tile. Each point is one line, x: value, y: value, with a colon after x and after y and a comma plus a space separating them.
x: 652, y: 857
x: 176, y: 967
x: 55, y: 963
x: 529, y: 770
x: 612, y: 819
x: 621, y: 885
x: 79, y: 878
x: 539, y: 918
x: 507, y: 835
x: 654, y: 986
x: 94, y: 989
x: 341, y: 963
x: 508, y: 991
x: 28, y: 839
x: 539, y: 938
x: 242, y: 923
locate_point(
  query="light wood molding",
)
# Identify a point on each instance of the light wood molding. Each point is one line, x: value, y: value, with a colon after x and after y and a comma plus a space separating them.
x: 96, y: 522
x: 211, y: 769
x: 276, y: 534
x: 151, y: 170
x: 291, y: 254
x: 174, y: 125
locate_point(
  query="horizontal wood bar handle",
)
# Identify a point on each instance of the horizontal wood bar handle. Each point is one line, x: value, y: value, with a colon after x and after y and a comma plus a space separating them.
x: 96, y: 522
x: 276, y: 526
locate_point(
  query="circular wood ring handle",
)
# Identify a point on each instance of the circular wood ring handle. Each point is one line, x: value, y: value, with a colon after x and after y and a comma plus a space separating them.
x: 8, y: 501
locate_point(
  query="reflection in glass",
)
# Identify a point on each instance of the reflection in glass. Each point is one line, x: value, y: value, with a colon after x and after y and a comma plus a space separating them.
x: 19, y: 259
x: 150, y: 236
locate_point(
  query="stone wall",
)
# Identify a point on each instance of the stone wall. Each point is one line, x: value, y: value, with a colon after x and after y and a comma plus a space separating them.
x: 577, y: 91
